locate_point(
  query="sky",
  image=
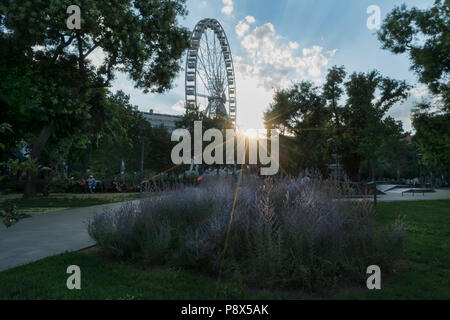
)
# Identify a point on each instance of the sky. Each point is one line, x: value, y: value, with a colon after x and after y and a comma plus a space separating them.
x: 277, y: 43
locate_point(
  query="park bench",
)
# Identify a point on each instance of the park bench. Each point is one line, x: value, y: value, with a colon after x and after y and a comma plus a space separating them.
x: 422, y: 190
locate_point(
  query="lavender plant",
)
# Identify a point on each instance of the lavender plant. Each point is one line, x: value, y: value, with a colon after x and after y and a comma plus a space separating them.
x: 284, y: 233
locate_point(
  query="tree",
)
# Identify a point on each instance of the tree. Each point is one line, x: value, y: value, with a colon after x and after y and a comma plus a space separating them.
x: 364, y: 117
x: 141, y: 38
x: 301, y: 111
x: 359, y: 129
x: 219, y: 121
x: 425, y: 36
x: 16, y: 89
x: 332, y: 91
x: 433, y: 137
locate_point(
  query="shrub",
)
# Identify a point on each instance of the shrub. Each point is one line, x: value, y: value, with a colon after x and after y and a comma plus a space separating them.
x: 283, y: 233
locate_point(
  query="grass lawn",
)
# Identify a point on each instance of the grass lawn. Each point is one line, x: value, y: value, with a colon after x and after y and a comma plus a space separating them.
x: 102, y: 278
x: 423, y: 273
x: 61, y: 201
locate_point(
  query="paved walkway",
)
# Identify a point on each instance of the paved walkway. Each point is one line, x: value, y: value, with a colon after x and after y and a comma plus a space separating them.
x: 48, y: 234
x: 396, y: 195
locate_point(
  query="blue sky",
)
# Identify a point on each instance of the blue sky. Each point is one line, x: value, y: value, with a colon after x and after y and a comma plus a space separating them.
x: 275, y: 43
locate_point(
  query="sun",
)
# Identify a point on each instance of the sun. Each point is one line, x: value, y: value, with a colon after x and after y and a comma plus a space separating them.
x: 251, y: 133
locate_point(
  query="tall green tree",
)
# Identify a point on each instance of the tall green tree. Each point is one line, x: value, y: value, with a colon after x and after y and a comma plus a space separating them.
x: 219, y: 121
x: 425, y: 36
x: 333, y: 90
x: 369, y: 98
x: 357, y: 128
x: 301, y: 111
x: 433, y: 137
x: 139, y: 37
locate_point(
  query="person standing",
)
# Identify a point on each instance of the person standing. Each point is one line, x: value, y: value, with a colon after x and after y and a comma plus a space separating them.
x: 91, y: 183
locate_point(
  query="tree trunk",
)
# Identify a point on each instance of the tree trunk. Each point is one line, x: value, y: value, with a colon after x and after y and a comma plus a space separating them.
x: 38, y: 146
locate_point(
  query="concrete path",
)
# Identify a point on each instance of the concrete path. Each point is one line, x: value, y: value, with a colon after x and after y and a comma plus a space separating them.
x: 396, y: 195
x: 45, y: 235
x: 385, y: 187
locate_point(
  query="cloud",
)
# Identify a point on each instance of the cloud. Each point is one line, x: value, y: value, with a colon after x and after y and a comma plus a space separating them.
x: 270, y: 61
x: 178, y: 107
x: 228, y: 7
x: 97, y: 57
x: 275, y: 62
x: 331, y: 53
x: 250, y: 19
x: 293, y: 45
x: 244, y: 26
x: 420, y: 93
x: 203, y: 4
x: 403, y: 110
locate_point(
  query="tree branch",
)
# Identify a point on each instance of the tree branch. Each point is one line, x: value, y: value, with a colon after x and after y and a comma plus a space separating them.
x: 64, y: 44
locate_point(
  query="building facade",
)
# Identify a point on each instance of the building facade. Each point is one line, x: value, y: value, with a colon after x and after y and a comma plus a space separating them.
x: 157, y: 119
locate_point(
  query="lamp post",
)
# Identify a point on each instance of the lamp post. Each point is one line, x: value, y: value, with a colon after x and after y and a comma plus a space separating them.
x: 419, y: 156
x: 142, y: 126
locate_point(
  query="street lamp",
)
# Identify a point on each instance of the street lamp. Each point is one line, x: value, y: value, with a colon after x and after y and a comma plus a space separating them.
x: 419, y: 156
x: 142, y: 126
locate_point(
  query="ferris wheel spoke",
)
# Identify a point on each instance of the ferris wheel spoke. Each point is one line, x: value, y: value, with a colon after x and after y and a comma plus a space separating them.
x: 204, y: 82
x: 204, y: 66
x: 208, y: 58
x: 211, y: 66
x: 200, y: 73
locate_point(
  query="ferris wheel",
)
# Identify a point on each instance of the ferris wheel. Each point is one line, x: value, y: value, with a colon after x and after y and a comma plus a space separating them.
x: 210, y: 83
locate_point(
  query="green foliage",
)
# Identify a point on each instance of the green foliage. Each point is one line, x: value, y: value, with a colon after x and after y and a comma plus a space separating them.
x: 301, y: 111
x: 15, y: 166
x: 10, y: 215
x: 357, y: 130
x: 425, y: 35
x: 121, y: 139
x: 39, y: 54
x: 433, y: 138
x: 401, y: 161
x: 219, y: 122
x: 141, y: 37
x: 372, y: 133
